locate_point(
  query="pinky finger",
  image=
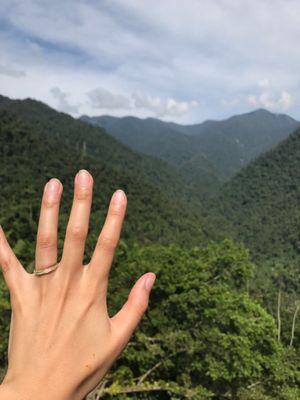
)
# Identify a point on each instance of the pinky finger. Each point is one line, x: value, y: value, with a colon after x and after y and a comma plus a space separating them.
x: 10, y: 265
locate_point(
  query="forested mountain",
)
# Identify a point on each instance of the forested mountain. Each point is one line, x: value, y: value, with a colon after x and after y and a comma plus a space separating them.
x: 211, y: 331
x: 37, y: 143
x: 206, y: 154
x: 159, y: 139
x: 98, y: 143
x: 261, y: 204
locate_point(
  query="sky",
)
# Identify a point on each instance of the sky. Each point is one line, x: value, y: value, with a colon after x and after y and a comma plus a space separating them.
x: 183, y: 61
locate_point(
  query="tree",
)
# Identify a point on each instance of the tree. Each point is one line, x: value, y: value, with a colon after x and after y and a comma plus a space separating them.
x: 203, y: 336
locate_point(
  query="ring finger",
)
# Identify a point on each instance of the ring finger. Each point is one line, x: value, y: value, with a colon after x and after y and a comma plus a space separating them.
x: 46, y: 246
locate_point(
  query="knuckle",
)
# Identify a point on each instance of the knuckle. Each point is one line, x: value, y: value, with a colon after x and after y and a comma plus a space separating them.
x: 6, y: 263
x: 107, y: 243
x: 47, y: 241
x: 116, y: 211
x: 16, y: 303
x: 49, y: 202
x: 77, y: 233
x: 140, y: 306
x: 83, y: 194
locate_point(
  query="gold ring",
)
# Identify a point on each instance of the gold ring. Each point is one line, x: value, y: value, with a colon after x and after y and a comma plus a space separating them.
x: 45, y: 270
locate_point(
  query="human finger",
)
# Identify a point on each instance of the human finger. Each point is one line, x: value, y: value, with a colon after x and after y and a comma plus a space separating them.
x: 78, y: 224
x: 46, y: 246
x: 126, y: 320
x: 109, y: 237
x: 10, y: 265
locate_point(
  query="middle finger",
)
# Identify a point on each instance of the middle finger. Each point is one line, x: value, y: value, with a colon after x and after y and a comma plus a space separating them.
x: 78, y: 224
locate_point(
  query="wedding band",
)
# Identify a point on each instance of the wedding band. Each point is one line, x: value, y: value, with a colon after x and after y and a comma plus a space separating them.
x: 44, y: 271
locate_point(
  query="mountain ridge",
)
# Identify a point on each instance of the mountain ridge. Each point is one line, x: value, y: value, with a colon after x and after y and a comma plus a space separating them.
x: 44, y: 143
x: 206, y: 154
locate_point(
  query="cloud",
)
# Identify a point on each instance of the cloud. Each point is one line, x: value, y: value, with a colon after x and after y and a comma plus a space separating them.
x: 286, y: 100
x: 104, y: 99
x: 132, y: 57
x: 163, y: 107
x: 63, y: 103
x: 264, y: 83
x: 267, y: 99
x: 11, y: 71
x: 232, y: 102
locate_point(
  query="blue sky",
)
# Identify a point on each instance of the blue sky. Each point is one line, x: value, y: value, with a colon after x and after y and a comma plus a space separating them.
x: 182, y: 61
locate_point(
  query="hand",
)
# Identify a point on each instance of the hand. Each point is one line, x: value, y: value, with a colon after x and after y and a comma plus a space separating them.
x: 62, y: 340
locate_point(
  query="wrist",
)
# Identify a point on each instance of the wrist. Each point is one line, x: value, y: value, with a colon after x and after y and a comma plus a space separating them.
x: 31, y: 391
x: 6, y: 393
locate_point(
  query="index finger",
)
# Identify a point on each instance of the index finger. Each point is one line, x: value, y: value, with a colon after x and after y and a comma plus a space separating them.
x: 10, y: 265
x: 109, y: 237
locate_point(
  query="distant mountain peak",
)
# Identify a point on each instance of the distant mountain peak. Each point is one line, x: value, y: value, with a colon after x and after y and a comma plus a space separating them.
x: 261, y: 111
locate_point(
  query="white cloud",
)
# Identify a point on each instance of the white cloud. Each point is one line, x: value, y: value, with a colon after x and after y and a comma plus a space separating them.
x: 232, y: 102
x: 270, y: 100
x: 286, y: 100
x: 101, y: 98
x: 252, y: 100
x: 168, y: 54
x: 264, y: 83
x: 11, y: 71
x: 63, y: 103
x: 163, y: 107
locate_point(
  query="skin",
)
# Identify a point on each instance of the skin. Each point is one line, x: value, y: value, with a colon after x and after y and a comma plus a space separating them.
x: 62, y: 340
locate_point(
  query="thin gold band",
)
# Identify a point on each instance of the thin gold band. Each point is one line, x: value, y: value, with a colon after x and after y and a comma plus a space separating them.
x: 45, y: 270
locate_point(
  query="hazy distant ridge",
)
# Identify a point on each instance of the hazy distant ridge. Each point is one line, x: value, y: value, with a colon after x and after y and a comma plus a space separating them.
x: 207, y: 153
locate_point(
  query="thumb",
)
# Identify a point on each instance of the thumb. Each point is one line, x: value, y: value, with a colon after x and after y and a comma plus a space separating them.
x: 127, y: 319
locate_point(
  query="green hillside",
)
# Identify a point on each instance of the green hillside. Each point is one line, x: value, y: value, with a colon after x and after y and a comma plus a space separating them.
x: 205, y: 154
x: 159, y: 139
x: 96, y: 142
x: 209, y: 332
x: 261, y: 204
x: 37, y: 143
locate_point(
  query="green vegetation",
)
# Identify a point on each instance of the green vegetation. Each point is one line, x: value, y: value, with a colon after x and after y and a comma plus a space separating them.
x: 160, y: 139
x: 260, y: 205
x: 223, y: 322
x: 37, y: 143
x: 205, y: 154
x: 203, y: 337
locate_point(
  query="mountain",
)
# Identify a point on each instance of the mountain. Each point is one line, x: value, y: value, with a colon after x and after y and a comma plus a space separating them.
x: 258, y: 206
x: 49, y: 121
x: 234, y: 142
x: 159, y: 139
x: 206, y: 154
x: 261, y: 204
x: 214, y: 340
x: 37, y: 142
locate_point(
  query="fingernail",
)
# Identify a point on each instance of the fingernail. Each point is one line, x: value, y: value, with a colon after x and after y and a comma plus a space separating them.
x: 149, y: 281
x: 83, y: 178
x: 118, y: 196
x: 53, y: 187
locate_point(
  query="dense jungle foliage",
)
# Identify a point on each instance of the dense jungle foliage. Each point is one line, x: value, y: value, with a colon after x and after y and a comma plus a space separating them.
x: 223, y: 322
x: 261, y: 203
